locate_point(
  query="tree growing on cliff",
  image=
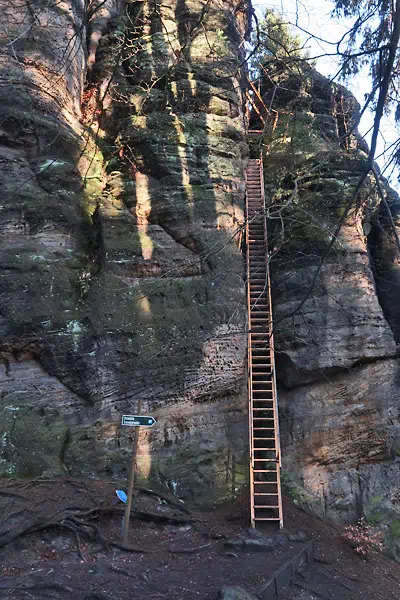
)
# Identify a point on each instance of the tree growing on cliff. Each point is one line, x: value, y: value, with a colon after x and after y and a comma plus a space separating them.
x: 273, y: 37
x: 376, y: 30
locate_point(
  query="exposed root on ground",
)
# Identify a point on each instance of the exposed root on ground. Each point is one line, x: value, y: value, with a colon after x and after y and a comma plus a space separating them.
x: 79, y: 521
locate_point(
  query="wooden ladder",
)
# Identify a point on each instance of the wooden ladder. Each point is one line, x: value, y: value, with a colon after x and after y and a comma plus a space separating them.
x: 265, y: 463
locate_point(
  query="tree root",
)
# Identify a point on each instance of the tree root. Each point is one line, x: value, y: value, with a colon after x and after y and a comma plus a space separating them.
x: 13, y: 495
x: 122, y: 572
x: 79, y: 521
x: 164, y: 496
x: 190, y: 550
x: 39, y: 586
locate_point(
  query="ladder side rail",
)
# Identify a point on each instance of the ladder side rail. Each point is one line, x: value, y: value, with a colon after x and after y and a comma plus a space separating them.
x: 258, y: 95
x: 249, y: 366
x: 272, y: 349
x: 251, y: 101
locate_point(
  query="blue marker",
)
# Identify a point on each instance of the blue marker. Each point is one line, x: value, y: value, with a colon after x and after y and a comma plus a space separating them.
x: 121, y: 495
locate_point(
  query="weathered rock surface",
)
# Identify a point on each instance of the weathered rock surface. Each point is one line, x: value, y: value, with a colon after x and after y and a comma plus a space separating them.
x: 341, y: 322
x: 254, y: 544
x: 122, y: 147
x: 122, y: 155
x: 337, y: 355
x: 234, y: 592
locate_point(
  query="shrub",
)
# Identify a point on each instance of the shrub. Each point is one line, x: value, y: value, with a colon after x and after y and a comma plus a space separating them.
x: 364, y: 538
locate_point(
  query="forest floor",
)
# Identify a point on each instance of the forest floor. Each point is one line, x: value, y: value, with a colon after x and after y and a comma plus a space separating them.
x: 61, y: 539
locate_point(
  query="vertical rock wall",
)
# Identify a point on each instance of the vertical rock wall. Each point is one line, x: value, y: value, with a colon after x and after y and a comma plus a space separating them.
x: 336, y: 340
x: 121, y: 275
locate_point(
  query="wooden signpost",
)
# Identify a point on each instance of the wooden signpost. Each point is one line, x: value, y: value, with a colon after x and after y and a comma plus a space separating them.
x: 137, y: 421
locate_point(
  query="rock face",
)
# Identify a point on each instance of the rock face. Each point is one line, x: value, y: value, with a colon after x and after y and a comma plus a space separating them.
x: 336, y: 336
x: 122, y: 150
x: 123, y: 153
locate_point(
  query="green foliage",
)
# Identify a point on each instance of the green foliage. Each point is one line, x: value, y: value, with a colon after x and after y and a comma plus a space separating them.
x: 376, y: 517
x: 368, y: 38
x: 375, y: 500
x: 298, y: 494
x: 395, y: 527
x: 275, y: 39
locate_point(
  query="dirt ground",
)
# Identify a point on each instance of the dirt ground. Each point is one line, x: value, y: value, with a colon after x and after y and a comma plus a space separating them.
x: 62, y: 539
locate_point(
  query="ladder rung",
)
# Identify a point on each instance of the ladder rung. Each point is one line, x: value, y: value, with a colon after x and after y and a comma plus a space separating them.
x: 264, y: 389
x: 263, y: 428
x: 263, y: 506
x: 265, y: 471
x: 263, y: 459
x: 259, y: 373
x: 263, y: 400
x: 261, y: 365
x: 265, y: 482
x: 265, y: 494
x: 258, y: 391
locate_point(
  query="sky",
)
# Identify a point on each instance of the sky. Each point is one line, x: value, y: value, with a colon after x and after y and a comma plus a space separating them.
x: 315, y: 17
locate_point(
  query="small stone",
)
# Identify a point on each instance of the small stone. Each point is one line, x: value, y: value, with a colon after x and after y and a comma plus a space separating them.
x: 61, y: 544
x: 235, y: 543
x: 228, y: 592
x: 276, y: 540
x: 305, y: 595
x: 254, y: 533
x: 261, y: 545
x: 177, y: 528
x: 324, y: 560
x: 100, y: 567
x: 300, y: 536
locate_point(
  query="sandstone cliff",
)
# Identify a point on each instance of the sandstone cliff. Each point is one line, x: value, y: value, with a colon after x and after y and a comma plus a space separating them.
x: 122, y: 172
x: 123, y: 149
x: 336, y: 356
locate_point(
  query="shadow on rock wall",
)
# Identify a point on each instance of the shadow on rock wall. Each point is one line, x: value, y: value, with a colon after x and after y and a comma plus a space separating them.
x: 131, y: 287
x: 46, y: 234
x: 169, y: 223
